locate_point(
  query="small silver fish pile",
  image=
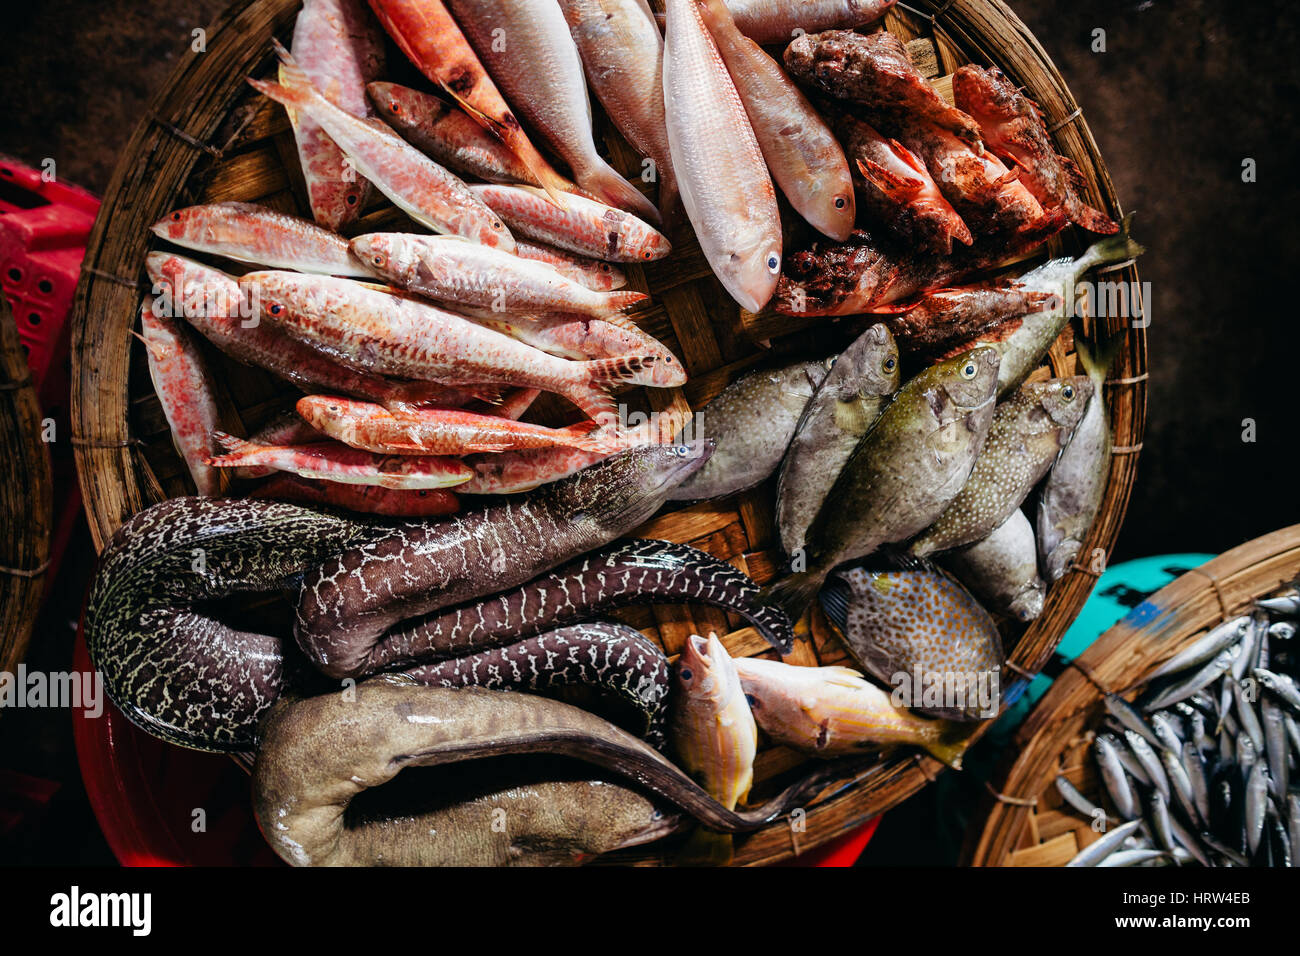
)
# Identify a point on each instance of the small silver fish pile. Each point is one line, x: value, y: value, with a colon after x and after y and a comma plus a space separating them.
x: 1201, y: 768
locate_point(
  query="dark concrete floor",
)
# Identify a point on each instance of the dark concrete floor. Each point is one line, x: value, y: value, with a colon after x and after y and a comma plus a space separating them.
x: 1184, y: 92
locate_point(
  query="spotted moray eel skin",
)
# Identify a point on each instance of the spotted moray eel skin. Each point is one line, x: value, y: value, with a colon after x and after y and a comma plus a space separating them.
x: 612, y: 658
x: 173, y: 670
x: 631, y: 572
x: 183, y: 675
x: 351, y: 600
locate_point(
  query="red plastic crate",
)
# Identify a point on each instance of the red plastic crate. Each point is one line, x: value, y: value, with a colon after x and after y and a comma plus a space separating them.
x: 43, y: 230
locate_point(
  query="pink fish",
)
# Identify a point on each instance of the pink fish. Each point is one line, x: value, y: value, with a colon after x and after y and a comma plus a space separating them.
x: 584, y: 226
x: 450, y: 270
x: 388, y: 334
x: 213, y: 303
x: 340, y: 48
x: 366, y: 499
x: 184, y: 389
x: 594, y: 274
x: 425, y: 191
x: 248, y: 233
x: 334, y: 461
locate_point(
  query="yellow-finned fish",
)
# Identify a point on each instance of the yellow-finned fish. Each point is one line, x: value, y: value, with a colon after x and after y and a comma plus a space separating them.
x: 713, y: 733
x: 831, y: 711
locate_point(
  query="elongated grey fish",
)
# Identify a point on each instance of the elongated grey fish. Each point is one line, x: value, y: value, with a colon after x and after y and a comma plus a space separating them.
x: 1198, y: 681
x: 1215, y: 640
x: 1113, y: 777
x: 1094, y: 853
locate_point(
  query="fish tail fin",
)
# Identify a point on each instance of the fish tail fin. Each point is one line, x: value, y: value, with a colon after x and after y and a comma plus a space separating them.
x: 1094, y: 220
x: 706, y: 848
x: 237, y: 450
x: 950, y: 743
x: 889, y: 183
x: 622, y: 301
x: 795, y: 593
x: 295, y: 88
x: 604, y: 182
x: 551, y: 181
x: 588, y: 436
x: 596, y: 403
x: 1116, y: 248
x: 512, y: 406
x: 1097, y: 360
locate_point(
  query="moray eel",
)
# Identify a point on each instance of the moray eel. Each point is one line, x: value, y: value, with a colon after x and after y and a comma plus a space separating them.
x: 186, y: 676
x: 631, y: 572
x: 612, y: 658
x: 171, y: 666
x: 349, y: 602
x: 320, y: 754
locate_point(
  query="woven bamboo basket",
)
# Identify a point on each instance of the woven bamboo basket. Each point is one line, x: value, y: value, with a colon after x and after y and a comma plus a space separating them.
x: 26, y: 498
x: 1028, y: 823
x: 207, y: 137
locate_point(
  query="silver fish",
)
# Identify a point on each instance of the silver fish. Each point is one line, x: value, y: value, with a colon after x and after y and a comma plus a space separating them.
x: 1201, y: 650
x: 1257, y: 787
x: 1249, y: 720
x: 1072, y: 494
x: 1281, y: 686
x: 1211, y: 672
x: 1195, y: 769
x: 1023, y: 350
x: 1071, y: 795
x: 1113, y: 777
x: 1150, y: 762
x: 1094, y: 853
x: 1002, y: 569
x: 1163, y: 725
x: 1129, y: 718
x: 1275, y: 746
x: 1133, y: 857
x: 1157, y: 814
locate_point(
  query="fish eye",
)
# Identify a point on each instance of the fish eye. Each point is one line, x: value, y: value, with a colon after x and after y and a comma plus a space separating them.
x: 498, y: 225
x: 773, y: 262
x: 176, y: 217
x: 352, y: 199
x: 645, y: 256
x: 839, y: 202
x: 276, y: 309
x: 333, y: 408
x: 378, y: 260
x: 604, y: 267
x: 686, y: 673
x: 830, y: 362
x: 395, y: 106
x: 891, y: 363
x: 683, y: 450
x: 968, y: 370
x: 1068, y: 392
x: 668, y: 360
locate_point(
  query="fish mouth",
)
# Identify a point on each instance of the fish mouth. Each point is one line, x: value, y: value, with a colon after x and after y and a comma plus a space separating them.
x: 691, y: 457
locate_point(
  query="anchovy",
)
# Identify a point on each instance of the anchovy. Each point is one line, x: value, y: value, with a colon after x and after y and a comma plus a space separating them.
x: 1112, y: 775
x: 1204, y: 648
x: 1094, y: 853
x: 1070, y: 794
x: 1282, y: 687
x: 1257, y: 787
x: 1195, y: 769
x: 1129, y: 717
x: 1249, y: 721
x: 1157, y: 807
x: 1198, y: 681
x: 1150, y: 762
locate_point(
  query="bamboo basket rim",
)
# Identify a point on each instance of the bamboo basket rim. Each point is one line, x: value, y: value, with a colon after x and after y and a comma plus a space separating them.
x: 178, y: 131
x: 26, y: 498
x: 1118, y: 661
